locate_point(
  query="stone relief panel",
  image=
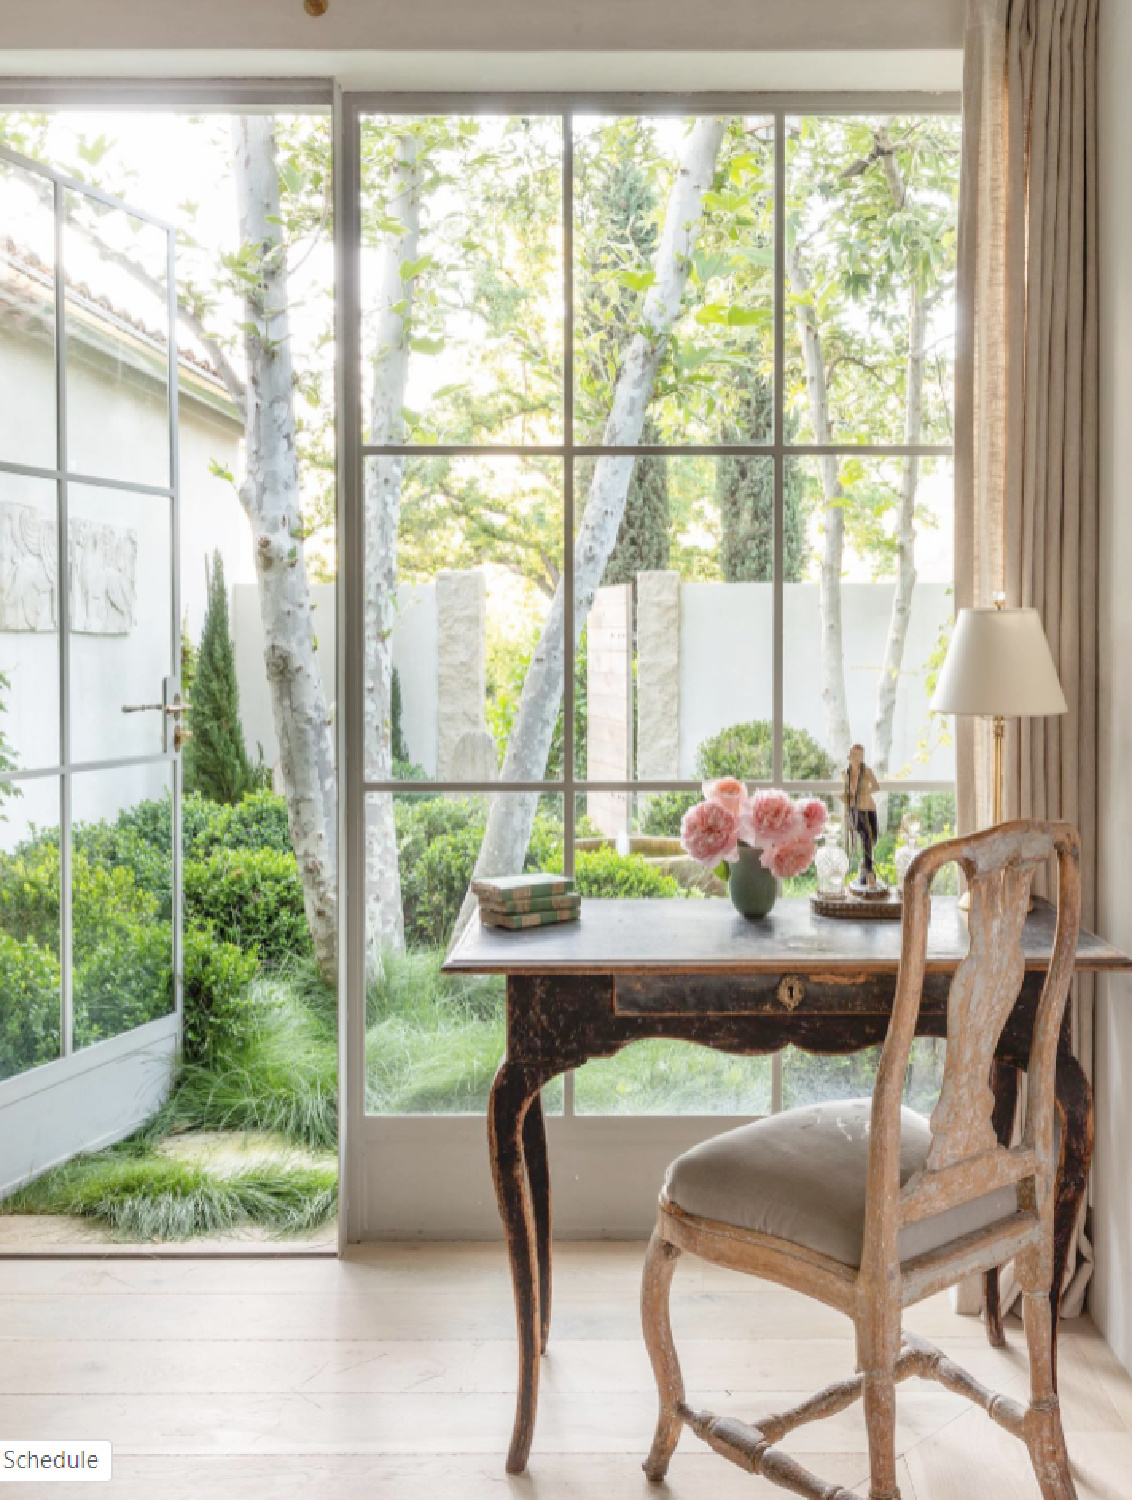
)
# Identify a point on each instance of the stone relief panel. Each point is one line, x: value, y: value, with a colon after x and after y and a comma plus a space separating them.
x: 102, y: 577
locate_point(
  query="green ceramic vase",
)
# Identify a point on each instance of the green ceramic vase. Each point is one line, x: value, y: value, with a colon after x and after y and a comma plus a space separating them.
x: 753, y: 889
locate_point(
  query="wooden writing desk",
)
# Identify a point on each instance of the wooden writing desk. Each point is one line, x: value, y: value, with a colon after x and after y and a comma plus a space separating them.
x: 697, y: 971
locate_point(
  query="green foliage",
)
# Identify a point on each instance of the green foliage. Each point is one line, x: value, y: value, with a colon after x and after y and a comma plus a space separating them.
x: 254, y: 897
x: 746, y: 751
x: 744, y: 492
x: 282, y: 1076
x: 123, y: 979
x: 605, y: 873
x: 219, y: 1011
x: 30, y: 1003
x: 258, y: 821
x: 643, y: 539
x: 397, y: 736
x: 156, y: 1198
x: 505, y: 688
x: 433, y: 1042
x: 216, y: 761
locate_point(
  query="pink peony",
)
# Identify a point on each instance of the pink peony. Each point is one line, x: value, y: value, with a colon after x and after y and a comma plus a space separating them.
x: 787, y: 860
x: 814, y: 815
x: 728, y: 792
x: 772, y: 819
x: 710, y: 832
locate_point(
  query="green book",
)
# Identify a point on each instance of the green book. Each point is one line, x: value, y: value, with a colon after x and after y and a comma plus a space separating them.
x: 570, y: 901
x: 517, y: 921
x: 516, y: 892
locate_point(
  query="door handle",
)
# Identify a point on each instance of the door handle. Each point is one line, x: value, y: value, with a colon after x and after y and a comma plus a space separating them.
x: 173, y: 709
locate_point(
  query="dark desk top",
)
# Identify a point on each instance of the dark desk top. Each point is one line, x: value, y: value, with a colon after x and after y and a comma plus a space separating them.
x: 710, y: 936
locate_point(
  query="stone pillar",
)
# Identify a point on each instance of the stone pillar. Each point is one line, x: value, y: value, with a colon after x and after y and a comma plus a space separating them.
x: 658, y: 676
x: 609, y: 704
x: 461, y: 677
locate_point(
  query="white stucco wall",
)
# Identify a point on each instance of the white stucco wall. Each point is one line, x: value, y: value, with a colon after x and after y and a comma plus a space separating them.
x: 119, y: 431
x: 1111, y: 1293
x: 726, y: 665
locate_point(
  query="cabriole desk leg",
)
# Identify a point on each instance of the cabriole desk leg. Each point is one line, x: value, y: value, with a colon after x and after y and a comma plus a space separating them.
x: 513, y: 1093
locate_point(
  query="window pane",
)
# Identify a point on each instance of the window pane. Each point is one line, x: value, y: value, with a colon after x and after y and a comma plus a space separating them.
x: 810, y: 1078
x: 121, y: 885
x: 29, y: 623
x: 121, y: 620
x: 674, y: 674
x: 867, y: 623
x: 117, y: 344
x: 656, y: 1077
x: 906, y: 819
x: 27, y: 318
x: 462, y: 278
x: 452, y: 633
x: 30, y: 983
x: 872, y: 209
x: 710, y: 365
x: 434, y: 1042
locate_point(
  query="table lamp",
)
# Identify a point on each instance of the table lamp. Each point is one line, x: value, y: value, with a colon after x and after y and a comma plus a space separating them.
x: 999, y: 666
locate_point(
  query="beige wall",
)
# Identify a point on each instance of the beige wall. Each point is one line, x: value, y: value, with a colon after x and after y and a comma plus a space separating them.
x: 510, y: 25
x: 1112, y: 1187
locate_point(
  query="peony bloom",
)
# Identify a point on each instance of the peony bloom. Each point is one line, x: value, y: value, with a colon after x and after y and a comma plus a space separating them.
x: 772, y: 819
x: 787, y: 860
x: 728, y: 792
x: 814, y: 815
x: 710, y: 832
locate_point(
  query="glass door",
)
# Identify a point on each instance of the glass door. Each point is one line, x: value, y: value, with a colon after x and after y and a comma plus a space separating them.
x: 90, y: 704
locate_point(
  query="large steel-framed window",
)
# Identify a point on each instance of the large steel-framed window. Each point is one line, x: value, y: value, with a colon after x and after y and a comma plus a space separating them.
x: 776, y: 449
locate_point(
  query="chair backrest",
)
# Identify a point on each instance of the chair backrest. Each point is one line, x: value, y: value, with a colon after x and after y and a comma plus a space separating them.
x: 965, y: 1160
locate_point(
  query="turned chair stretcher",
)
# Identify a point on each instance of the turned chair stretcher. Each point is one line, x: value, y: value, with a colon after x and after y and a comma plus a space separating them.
x: 916, y: 1208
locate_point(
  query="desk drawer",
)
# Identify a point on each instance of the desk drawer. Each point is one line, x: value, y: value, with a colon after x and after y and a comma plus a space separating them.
x: 766, y: 994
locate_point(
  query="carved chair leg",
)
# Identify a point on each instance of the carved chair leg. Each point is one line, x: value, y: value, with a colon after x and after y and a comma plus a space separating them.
x: 656, y: 1286
x: 878, y: 1349
x: 538, y: 1180
x: 1004, y: 1081
x: 1043, y: 1432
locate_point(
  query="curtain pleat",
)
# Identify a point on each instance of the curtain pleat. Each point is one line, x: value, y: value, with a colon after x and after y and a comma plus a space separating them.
x: 1026, y: 402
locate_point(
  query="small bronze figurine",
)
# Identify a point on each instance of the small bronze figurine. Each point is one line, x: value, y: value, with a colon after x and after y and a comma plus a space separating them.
x: 859, y: 784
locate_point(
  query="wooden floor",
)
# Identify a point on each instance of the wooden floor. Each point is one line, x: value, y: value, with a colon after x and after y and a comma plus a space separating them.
x: 391, y: 1377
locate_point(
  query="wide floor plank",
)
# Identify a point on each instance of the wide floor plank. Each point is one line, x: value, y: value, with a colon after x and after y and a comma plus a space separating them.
x: 392, y: 1374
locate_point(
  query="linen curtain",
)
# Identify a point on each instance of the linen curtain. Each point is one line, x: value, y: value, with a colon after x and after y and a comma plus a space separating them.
x: 1026, y: 405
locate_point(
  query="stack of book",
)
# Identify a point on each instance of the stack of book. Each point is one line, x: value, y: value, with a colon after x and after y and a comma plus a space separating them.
x: 519, y: 901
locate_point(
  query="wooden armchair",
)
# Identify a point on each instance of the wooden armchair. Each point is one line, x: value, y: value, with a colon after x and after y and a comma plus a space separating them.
x: 869, y: 1208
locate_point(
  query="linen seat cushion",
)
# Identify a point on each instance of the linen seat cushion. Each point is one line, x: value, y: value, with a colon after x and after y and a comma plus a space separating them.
x: 801, y: 1176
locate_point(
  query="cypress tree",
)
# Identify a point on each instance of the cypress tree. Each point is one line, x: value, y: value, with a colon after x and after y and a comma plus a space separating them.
x: 624, y: 230
x: 744, y: 491
x: 216, y: 762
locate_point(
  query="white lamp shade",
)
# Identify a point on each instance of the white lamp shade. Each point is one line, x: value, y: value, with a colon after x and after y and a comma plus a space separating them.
x: 999, y: 665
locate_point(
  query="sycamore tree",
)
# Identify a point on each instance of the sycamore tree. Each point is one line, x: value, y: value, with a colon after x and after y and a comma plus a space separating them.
x: 870, y: 262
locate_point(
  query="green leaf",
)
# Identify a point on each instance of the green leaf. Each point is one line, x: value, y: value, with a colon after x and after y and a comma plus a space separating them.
x: 636, y: 281
x: 411, y: 269
x: 746, y: 317
x: 426, y: 346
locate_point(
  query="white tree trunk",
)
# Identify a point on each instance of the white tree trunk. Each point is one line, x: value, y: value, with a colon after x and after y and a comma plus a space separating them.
x: 837, y: 730
x: 511, y: 815
x: 270, y: 495
x: 383, y: 478
x: 905, y: 536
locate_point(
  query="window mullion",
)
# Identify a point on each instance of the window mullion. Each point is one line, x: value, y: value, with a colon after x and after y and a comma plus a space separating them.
x: 779, y: 437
